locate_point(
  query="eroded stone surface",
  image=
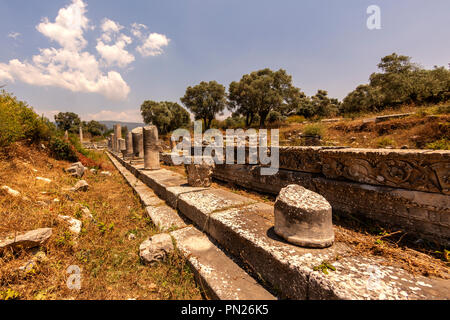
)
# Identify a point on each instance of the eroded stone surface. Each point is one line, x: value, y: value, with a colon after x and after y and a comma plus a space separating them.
x: 200, y: 174
x: 11, y: 192
x: 156, y: 248
x: 81, y: 186
x: 28, y: 240
x: 304, y: 218
x: 74, y: 224
x: 76, y: 170
x: 291, y: 268
x: 217, y: 273
x: 165, y: 218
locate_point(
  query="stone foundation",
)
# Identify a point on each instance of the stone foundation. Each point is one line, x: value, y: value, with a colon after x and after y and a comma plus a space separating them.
x: 424, y: 214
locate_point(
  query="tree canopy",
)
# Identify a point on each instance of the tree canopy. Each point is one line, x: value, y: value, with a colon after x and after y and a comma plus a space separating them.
x: 261, y: 92
x: 399, y: 82
x: 205, y: 101
x: 166, y: 116
x: 68, y: 121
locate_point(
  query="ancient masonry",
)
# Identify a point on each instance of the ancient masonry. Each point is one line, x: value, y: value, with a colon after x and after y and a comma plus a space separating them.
x: 410, y: 187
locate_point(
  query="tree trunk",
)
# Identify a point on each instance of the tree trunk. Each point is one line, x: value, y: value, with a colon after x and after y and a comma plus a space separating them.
x: 262, y: 121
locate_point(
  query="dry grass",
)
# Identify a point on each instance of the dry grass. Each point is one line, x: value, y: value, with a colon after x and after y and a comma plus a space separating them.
x: 415, y: 132
x: 110, y: 264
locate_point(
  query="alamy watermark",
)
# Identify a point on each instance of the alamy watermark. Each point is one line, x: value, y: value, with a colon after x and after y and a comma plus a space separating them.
x: 212, y: 146
x: 374, y: 20
x: 74, y: 280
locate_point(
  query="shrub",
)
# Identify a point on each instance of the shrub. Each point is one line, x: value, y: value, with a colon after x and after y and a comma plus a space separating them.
x: 274, y: 116
x: 385, y: 142
x: 18, y: 122
x: 295, y: 119
x: 314, y: 129
x: 61, y: 150
x: 443, y: 144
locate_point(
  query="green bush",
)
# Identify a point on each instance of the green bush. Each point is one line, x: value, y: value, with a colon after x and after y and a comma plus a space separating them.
x: 61, y: 150
x: 19, y: 122
x: 443, y: 144
x: 314, y: 129
x: 385, y: 142
x: 275, y: 116
x: 295, y: 119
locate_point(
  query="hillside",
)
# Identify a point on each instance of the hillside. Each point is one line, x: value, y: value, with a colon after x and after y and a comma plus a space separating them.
x: 129, y: 125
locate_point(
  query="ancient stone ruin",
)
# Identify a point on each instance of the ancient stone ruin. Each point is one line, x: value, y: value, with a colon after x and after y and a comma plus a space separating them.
x: 304, y: 218
x: 289, y: 243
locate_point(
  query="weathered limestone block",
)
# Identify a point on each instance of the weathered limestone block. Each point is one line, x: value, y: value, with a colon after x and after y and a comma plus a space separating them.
x: 420, y: 170
x: 392, y: 116
x: 401, y: 208
x: 138, y: 143
x: 75, y: 225
x: 11, y: 192
x: 156, y: 248
x: 81, y: 186
x: 151, y: 148
x: 304, y: 218
x: 305, y: 159
x: 28, y: 240
x: 200, y: 174
x: 76, y: 170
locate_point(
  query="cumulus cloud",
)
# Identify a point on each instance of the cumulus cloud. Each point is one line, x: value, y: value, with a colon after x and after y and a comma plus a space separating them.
x: 69, y: 25
x: 74, y: 68
x: 153, y: 45
x: 114, y: 53
x: 68, y: 67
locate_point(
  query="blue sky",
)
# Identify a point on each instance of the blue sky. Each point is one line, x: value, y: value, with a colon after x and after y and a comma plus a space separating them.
x: 103, y: 58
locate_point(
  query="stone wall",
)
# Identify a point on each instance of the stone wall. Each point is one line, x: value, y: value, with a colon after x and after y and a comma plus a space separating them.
x: 420, y: 170
x: 424, y: 214
x: 408, y: 189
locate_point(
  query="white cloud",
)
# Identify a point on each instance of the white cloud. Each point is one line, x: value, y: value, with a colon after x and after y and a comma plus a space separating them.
x: 136, y: 30
x: 14, y: 35
x: 131, y: 115
x: 68, y: 67
x: 153, y: 45
x: 68, y: 27
x: 114, y: 54
x: 74, y: 68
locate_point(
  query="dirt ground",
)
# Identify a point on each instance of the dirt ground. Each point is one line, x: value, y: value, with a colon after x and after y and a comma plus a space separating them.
x: 106, y: 250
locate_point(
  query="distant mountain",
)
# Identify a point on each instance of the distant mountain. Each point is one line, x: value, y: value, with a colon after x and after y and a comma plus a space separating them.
x: 129, y: 125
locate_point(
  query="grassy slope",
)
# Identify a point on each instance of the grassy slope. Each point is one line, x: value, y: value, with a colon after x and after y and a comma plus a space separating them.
x: 425, y: 127
x: 111, y: 268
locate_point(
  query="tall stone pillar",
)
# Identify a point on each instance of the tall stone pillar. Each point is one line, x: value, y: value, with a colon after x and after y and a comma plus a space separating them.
x: 151, y: 148
x: 138, y: 143
x: 113, y: 142
x: 66, y: 136
x: 118, y: 133
x: 81, y: 134
x: 129, y: 144
x: 122, y: 147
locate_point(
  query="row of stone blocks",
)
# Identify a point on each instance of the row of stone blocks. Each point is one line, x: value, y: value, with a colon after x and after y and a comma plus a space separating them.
x: 424, y: 214
x: 245, y: 229
x: 419, y: 170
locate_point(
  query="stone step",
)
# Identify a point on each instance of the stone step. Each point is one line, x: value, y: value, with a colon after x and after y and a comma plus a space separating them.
x: 216, y: 273
x: 244, y: 228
